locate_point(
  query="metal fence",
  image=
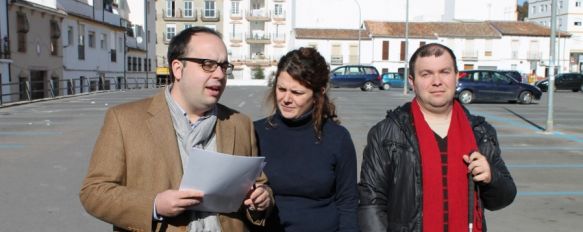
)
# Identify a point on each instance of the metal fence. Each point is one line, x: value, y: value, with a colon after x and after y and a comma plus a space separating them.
x: 27, y: 91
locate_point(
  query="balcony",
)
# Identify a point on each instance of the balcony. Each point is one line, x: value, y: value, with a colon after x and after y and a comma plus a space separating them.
x: 533, y: 55
x: 212, y: 15
x: 258, y: 37
x: 260, y: 15
x: 179, y: 15
x: 278, y: 17
x: 278, y: 0
x: 4, y: 49
x: 236, y: 37
x: 470, y: 55
x: 278, y: 38
x: 237, y: 15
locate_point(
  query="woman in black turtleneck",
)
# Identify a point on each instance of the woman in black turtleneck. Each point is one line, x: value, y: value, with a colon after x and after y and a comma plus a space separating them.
x: 311, y: 160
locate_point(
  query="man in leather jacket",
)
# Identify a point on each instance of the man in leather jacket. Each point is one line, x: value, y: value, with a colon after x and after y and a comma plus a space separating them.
x: 415, y: 167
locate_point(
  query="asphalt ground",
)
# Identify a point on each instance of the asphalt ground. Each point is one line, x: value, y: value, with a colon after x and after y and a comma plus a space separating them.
x: 45, y: 148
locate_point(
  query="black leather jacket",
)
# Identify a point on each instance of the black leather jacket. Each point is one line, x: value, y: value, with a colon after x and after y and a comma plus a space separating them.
x: 390, y: 180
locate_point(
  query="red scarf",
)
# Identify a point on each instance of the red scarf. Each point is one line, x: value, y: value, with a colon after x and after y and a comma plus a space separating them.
x: 460, y: 141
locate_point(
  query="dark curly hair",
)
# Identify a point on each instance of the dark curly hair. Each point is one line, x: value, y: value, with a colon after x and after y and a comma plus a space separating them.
x: 310, y: 69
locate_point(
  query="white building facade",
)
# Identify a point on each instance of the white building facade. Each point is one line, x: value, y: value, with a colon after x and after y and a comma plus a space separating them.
x: 569, y: 19
x: 257, y: 33
x: 93, y: 46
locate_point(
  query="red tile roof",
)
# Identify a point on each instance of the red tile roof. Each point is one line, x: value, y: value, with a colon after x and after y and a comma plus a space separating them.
x: 333, y: 34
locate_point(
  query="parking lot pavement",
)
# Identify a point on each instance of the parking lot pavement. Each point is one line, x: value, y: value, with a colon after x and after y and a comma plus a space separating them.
x: 45, y: 148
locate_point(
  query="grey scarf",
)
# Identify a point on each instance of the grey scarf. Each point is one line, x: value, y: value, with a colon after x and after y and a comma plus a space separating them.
x: 200, y: 135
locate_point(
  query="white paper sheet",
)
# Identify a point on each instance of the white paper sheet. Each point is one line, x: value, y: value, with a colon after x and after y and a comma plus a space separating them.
x: 224, y: 179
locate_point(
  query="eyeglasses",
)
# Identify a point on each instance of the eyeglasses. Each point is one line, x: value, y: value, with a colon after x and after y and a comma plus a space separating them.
x: 210, y: 65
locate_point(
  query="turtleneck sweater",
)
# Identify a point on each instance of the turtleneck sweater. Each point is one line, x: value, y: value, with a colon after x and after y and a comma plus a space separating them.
x: 314, y: 183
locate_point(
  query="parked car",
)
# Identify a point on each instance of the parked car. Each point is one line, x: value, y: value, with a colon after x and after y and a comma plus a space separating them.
x: 569, y: 81
x: 514, y: 74
x: 492, y: 85
x: 352, y: 76
x: 392, y: 80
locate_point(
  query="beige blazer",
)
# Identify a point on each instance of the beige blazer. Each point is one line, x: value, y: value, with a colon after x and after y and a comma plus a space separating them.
x: 136, y: 156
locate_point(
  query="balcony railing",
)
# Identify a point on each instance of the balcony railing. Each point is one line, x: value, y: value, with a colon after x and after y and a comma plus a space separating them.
x: 179, y: 15
x: 4, y: 48
x: 279, y: 38
x: 237, y: 15
x: 210, y: 15
x: 278, y: 17
x: 261, y: 38
x: 236, y: 37
x: 533, y: 55
x: 258, y: 15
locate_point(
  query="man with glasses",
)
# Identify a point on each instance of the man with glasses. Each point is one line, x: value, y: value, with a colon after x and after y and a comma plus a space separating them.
x: 140, y: 155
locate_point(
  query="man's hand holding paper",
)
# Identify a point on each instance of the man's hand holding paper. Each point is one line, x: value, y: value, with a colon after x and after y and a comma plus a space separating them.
x: 225, y: 181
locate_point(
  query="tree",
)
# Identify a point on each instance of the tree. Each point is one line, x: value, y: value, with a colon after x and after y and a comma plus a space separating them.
x: 522, y: 11
x: 258, y: 73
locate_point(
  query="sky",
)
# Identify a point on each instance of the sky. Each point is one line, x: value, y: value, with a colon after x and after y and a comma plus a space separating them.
x: 521, y: 1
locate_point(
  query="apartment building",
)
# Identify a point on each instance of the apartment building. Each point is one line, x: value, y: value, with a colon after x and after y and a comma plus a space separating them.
x: 257, y: 36
x: 5, y: 59
x: 173, y: 16
x: 34, y: 47
x: 569, y: 19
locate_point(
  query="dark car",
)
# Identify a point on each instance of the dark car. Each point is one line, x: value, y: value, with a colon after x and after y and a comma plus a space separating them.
x: 491, y: 85
x: 392, y: 80
x: 514, y: 74
x: 568, y: 81
x: 365, y: 77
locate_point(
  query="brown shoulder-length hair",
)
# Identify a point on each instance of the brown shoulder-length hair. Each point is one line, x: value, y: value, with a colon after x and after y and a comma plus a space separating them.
x: 310, y: 69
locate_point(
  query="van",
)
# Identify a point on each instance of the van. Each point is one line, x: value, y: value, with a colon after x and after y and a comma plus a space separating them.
x: 364, y: 77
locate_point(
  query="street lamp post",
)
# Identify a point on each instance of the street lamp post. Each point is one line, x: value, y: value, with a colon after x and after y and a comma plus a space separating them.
x: 359, y: 28
x: 406, y: 73
x: 552, y: 65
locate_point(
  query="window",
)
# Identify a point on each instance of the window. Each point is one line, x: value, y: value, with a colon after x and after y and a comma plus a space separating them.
x: 139, y: 64
x: 81, y: 38
x: 278, y: 9
x: 514, y: 45
x: 22, y: 28
x: 577, y: 23
x: 81, y: 42
x: 385, y: 50
x: 336, y: 56
x: 169, y: 8
x: 488, y: 47
x: 91, y: 38
x: 560, y: 4
x: 186, y: 26
x: 353, y: 54
x: 188, y: 9
x: 134, y: 63
x: 170, y: 32
x: 103, y: 41
x: 129, y: 68
x: 70, y: 36
x: 209, y: 9
x: 578, y: 4
x: 235, y: 10
x: 55, y: 36
x: 533, y: 9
